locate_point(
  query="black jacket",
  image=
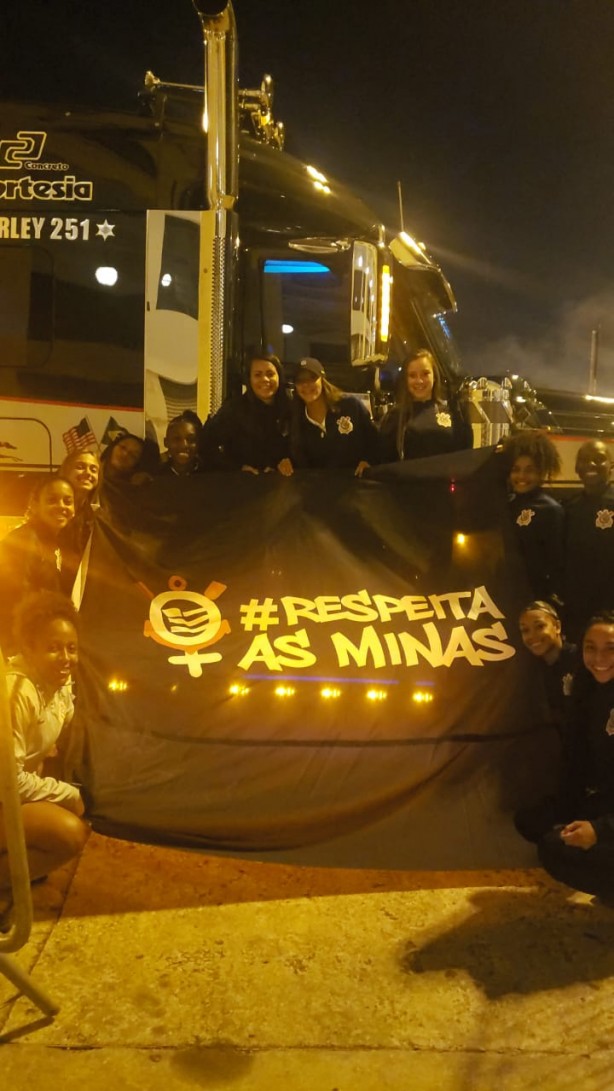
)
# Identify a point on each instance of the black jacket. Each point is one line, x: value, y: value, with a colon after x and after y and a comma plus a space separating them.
x: 434, y: 428
x: 247, y: 432
x: 539, y: 525
x: 349, y: 437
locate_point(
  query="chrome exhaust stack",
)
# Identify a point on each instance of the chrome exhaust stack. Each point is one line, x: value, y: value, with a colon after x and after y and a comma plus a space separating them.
x: 219, y: 227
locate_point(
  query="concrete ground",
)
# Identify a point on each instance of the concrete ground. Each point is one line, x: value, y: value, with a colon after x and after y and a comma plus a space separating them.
x: 177, y: 970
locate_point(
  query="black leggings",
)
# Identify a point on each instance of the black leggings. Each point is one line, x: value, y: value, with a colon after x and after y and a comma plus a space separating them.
x: 590, y: 870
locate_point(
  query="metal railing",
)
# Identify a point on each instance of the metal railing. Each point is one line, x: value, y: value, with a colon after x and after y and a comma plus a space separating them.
x: 21, y: 923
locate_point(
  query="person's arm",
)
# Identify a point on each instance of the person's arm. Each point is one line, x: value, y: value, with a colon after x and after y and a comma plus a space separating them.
x: 603, y: 828
x: 220, y: 440
x: 369, y: 440
x: 553, y: 544
x: 580, y: 834
x: 388, y: 437
x: 32, y: 787
x: 461, y: 428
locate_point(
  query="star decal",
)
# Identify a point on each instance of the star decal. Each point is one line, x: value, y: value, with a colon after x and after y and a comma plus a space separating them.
x: 105, y: 230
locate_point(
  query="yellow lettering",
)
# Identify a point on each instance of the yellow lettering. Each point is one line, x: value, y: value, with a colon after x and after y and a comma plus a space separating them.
x: 359, y: 607
x: 260, y: 651
x: 412, y: 647
x: 453, y: 599
x: 328, y: 607
x: 369, y: 646
x: 296, y: 608
x: 460, y: 647
x: 493, y: 638
x: 387, y: 606
x: 482, y: 603
x: 295, y: 648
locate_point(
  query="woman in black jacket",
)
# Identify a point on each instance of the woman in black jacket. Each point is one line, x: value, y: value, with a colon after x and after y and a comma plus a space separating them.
x: 575, y: 830
x: 330, y: 429
x: 422, y: 422
x: 250, y: 432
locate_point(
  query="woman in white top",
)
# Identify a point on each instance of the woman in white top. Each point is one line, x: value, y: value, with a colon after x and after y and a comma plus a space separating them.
x: 41, y: 703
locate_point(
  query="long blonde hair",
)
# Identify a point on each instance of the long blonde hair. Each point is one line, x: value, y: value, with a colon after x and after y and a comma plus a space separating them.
x: 404, y: 400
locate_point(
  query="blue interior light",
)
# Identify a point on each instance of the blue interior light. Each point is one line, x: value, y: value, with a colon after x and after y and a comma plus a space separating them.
x: 283, y: 268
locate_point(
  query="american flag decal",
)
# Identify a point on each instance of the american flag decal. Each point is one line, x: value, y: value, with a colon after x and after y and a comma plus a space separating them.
x: 80, y: 437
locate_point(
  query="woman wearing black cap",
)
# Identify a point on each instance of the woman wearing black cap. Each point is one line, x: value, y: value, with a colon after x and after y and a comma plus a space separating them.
x: 330, y: 429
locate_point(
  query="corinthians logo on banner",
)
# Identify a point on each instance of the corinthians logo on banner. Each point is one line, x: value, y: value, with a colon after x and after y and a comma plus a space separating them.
x: 188, y: 622
x: 24, y: 152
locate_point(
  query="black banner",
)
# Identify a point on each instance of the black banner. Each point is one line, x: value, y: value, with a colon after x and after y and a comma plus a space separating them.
x: 316, y: 669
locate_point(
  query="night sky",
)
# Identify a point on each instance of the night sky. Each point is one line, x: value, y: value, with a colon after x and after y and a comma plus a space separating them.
x: 497, y: 117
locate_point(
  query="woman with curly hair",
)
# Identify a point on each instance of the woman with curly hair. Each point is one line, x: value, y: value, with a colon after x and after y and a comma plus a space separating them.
x: 31, y: 556
x: 329, y: 428
x: 41, y: 704
x: 530, y: 459
x: 422, y: 423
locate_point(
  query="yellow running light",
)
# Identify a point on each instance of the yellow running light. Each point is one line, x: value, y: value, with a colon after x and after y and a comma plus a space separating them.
x: 422, y: 697
x: 237, y: 689
x: 385, y: 287
x: 117, y: 686
x: 284, y: 691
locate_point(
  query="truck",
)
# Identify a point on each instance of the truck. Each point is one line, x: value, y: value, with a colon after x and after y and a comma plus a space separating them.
x: 146, y: 254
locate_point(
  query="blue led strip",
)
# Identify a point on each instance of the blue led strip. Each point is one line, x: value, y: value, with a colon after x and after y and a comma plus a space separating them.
x: 286, y: 267
x: 317, y: 678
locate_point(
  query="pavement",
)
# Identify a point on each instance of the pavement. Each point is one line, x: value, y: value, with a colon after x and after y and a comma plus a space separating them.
x: 178, y: 970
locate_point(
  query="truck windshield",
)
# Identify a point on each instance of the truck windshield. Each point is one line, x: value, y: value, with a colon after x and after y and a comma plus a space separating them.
x: 420, y: 319
x: 306, y: 308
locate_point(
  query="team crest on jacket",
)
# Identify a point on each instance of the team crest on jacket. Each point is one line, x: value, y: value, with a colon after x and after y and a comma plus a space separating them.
x: 345, y: 425
x: 567, y: 681
x: 444, y: 420
x: 604, y: 519
x: 610, y: 724
x: 525, y: 517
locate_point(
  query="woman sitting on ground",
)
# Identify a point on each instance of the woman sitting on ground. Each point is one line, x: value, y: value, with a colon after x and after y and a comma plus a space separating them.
x: 41, y: 704
x: 31, y: 556
x: 422, y: 422
x: 329, y: 428
x: 250, y: 432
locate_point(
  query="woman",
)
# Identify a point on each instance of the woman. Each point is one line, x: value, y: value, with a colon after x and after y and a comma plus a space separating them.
x: 120, y: 461
x: 181, y: 443
x: 40, y: 697
x: 530, y: 459
x: 540, y: 629
x: 250, y: 432
x: 422, y: 423
x: 575, y: 830
x: 31, y: 556
x: 81, y: 469
x: 329, y: 429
